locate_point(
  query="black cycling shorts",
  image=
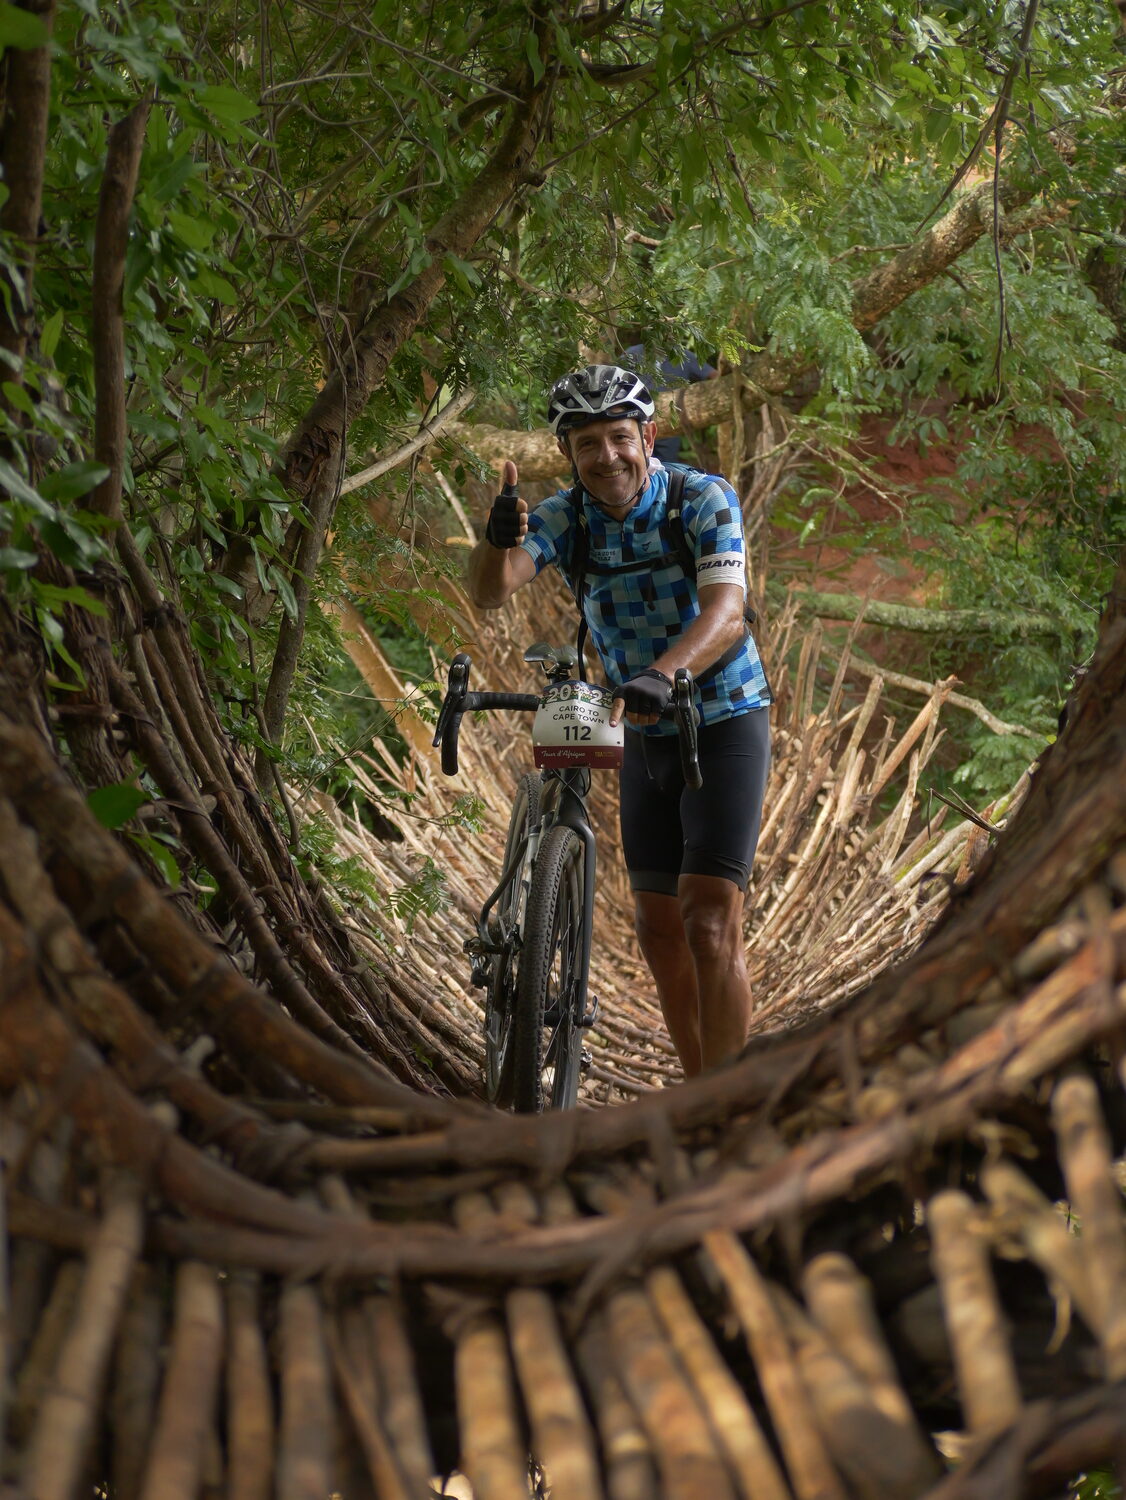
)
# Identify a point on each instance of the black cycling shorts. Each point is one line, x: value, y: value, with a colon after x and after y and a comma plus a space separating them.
x: 669, y: 830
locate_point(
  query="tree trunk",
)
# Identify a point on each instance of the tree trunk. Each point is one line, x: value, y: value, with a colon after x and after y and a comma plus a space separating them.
x: 27, y: 102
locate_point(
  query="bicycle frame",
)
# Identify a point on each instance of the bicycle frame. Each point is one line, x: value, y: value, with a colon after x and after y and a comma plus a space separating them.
x: 500, y: 942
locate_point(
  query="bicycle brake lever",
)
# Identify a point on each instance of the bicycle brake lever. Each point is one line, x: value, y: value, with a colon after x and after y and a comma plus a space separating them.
x: 683, y: 700
x: 457, y: 685
x: 687, y: 718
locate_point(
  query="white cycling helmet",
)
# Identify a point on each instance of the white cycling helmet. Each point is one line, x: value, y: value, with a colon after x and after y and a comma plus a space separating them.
x: 597, y: 394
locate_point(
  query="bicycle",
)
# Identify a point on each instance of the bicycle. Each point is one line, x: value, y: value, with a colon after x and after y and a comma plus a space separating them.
x: 531, y: 950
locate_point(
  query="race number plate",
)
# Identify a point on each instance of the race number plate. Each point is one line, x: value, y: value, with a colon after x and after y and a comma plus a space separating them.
x: 572, y: 727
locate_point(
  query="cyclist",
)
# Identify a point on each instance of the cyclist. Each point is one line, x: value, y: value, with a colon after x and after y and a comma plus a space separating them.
x: 688, y: 853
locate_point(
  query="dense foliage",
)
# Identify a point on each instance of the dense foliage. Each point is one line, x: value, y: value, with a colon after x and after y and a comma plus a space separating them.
x: 704, y: 175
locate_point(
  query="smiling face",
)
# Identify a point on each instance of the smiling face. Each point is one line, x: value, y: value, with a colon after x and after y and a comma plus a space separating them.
x: 612, y: 460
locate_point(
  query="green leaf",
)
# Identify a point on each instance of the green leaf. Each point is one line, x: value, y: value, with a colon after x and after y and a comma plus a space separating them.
x: 49, y: 334
x: 759, y: 140
x: 285, y: 592
x: 19, y: 28
x: 197, y: 234
x: 913, y: 75
x: 55, y: 641
x: 461, y: 270
x: 115, y: 805
x: 72, y: 545
x: 167, y: 183
x: 532, y: 52
x: 161, y: 856
x: 16, y: 396
x: 227, y: 585
x: 52, y: 597
x: 208, y: 284
x: 227, y: 104
x: 16, y: 560
x: 18, y: 487
x: 76, y: 479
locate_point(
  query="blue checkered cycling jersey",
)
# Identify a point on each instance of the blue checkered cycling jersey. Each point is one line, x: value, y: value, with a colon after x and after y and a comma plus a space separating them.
x: 633, y: 617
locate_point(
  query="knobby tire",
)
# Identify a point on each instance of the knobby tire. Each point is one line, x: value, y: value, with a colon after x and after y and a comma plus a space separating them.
x: 548, y: 1025
x: 510, y: 912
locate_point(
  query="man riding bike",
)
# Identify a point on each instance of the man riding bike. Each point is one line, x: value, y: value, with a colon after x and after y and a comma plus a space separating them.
x: 661, y: 585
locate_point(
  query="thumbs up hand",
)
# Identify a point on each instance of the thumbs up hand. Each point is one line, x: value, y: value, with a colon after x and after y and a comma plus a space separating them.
x: 508, y: 520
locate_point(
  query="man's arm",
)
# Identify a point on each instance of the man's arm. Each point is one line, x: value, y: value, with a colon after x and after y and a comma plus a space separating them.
x: 717, y: 627
x: 720, y: 585
x: 495, y: 573
x: 497, y: 568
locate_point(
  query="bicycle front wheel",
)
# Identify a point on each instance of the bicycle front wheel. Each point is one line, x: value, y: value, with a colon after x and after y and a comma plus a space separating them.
x: 551, y: 991
x: 500, y: 995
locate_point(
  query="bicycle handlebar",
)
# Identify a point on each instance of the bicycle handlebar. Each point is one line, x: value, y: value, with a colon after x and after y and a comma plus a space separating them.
x: 460, y: 701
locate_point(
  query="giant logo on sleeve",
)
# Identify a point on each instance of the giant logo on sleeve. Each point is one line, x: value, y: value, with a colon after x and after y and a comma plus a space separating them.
x: 721, y: 567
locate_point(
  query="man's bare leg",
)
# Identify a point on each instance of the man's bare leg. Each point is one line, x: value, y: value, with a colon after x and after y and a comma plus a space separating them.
x: 711, y: 911
x: 660, y: 933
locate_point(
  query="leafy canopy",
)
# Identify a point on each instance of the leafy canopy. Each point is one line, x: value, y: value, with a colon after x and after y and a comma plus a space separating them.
x: 707, y: 175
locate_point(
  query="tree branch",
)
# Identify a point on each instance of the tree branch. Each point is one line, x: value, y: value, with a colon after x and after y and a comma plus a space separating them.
x: 111, y: 234
x: 959, y: 700
x: 921, y: 621
x: 425, y: 435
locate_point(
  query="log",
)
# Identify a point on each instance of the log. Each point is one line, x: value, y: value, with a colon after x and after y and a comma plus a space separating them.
x: 627, y: 1457
x: 881, y: 1459
x: 188, y: 1395
x: 60, y: 1443
x: 688, y: 1459
x: 494, y: 1449
x: 738, y: 1434
x: 349, y: 1340
x: 136, y: 1382
x: 1087, y: 1163
x: 979, y: 1342
x: 811, y: 1471
x: 304, y: 1458
x: 561, y: 1435
x: 840, y: 1300
x: 250, y: 1403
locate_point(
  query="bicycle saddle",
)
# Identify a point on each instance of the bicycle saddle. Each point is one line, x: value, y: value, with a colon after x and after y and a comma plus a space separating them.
x: 552, y: 656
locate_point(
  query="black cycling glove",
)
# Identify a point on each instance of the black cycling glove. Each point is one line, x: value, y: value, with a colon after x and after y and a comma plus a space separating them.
x: 503, y: 528
x: 647, y: 693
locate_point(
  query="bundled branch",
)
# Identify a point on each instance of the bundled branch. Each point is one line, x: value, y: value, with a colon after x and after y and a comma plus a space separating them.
x: 583, y: 1265
x: 644, y: 1384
